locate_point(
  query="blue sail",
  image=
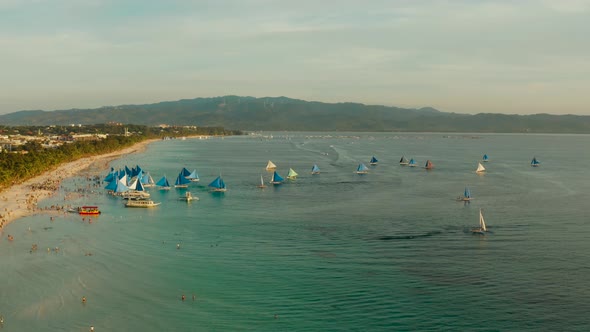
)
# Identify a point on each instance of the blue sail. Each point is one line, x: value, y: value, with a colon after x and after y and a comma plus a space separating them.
x: 373, y: 160
x: 185, y: 172
x: 145, y: 178
x: 163, y: 182
x: 181, y: 180
x: 128, y: 171
x: 467, y: 193
x: 315, y: 169
x: 112, y: 185
x: 217, y: 183
x: 362, y: 168
x: 535, y: 161
x: 412, y: 162
x: 110, y: 177
x: 193, y: 176
x: 139, y: 186
x: 485, y: 157
x: 276, y: 178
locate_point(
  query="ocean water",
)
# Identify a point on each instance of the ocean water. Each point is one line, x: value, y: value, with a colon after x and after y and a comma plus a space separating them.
x: 386, y: 251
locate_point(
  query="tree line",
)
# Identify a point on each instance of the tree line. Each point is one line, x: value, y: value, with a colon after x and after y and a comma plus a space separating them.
x: 23, y: 162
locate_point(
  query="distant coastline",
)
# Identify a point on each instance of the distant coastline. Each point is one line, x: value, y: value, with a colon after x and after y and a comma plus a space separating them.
x: 21, y: 200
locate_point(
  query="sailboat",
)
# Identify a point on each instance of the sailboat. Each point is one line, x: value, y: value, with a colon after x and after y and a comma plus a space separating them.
x: 270, y: 166
x: 185, y: 172
x: 481, y: 230
x: 412, y: 163
x: 480, y: 169
x: 466, y: 196
x: 218, y: 185
x: 403, y: 161
x: 373, y: 161
x: 535, y: 162
x: 147, y: 180
x: 261, y: 185
x: 292, y: 175
x: 429, y: 165
x: 181, y: 181
x: 276, y: 178
x: 163, y: 183
x: 193, y: 176
x: 362, y: 169
x: 485, y: 158
x: 315, y: 169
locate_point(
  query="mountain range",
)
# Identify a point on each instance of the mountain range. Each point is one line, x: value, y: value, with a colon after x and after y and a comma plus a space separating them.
x: 282, y: 113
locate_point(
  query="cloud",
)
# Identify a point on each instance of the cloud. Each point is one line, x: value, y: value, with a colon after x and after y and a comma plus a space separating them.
x: 426, y: 53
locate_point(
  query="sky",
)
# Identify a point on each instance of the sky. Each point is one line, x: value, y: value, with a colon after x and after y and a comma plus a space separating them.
x: 463, y: 56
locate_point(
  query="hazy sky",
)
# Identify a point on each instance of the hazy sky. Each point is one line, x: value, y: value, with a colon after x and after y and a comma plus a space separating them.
x: 465, y: 56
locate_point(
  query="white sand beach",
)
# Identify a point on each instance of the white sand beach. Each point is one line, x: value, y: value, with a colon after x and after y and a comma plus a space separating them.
x: 21, y: 200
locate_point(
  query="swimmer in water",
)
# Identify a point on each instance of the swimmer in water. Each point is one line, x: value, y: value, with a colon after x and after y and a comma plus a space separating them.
x: 83, y: 299
x: 183, y: 297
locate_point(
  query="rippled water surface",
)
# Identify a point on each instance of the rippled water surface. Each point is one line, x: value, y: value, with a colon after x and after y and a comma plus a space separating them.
x: 390, y: 250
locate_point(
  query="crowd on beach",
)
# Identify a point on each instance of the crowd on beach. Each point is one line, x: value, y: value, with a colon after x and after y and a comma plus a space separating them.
x: 28, y: 194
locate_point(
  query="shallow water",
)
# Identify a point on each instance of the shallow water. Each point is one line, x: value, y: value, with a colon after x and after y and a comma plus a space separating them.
x: 390, y: 250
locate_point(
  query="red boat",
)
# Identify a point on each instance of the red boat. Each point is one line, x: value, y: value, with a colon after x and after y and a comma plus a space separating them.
x: 92, y: 210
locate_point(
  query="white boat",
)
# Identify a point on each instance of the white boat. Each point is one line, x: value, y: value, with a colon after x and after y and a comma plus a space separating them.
x: 270, y: 166
x: 188, y: 197
x: 480, y: 168
x: 481, y: 230
x: 141, y: 204
x: 135, y: 195
x: 403, y: 161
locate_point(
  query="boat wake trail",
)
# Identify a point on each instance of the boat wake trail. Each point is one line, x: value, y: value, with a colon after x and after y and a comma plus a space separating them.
x: 408, y: 236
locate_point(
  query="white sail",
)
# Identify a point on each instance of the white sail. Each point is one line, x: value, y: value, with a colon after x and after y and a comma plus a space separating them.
x: 480, y: 168
x: 261, y: 185
x: 270, y: 165
x: 482, y: 223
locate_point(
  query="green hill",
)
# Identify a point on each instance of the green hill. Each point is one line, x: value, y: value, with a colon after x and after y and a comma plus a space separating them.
x: 282, y: 113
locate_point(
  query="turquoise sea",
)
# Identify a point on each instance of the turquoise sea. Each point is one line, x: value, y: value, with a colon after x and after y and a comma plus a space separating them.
x: 386, y: 251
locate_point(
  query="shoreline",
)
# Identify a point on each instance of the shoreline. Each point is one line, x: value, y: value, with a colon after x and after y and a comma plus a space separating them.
x: 21, y: 200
